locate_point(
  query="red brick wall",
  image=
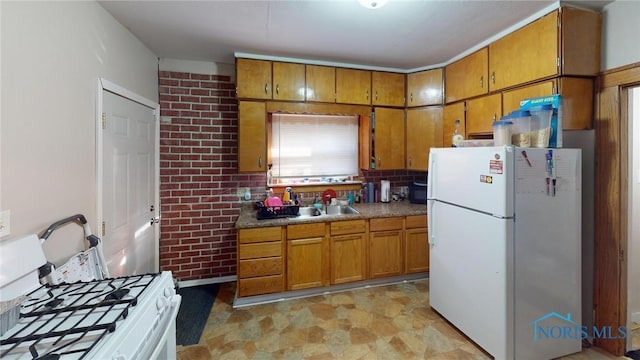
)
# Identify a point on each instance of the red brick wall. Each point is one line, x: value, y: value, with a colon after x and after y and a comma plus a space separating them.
x: 199, y: 178
x: 198, y: 175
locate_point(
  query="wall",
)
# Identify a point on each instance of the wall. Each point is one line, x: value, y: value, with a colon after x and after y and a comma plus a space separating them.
x: 198, y: 171
x: 620, y: 27
x: 619, y: 48
x: 52, y: 55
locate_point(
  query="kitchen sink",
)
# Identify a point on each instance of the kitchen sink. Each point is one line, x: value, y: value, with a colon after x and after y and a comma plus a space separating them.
x: 310, y: 211
x: 341, y: 210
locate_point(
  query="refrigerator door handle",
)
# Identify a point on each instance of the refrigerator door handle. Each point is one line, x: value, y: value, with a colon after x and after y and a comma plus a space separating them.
x: 432, y: 167
x: 430, y: 215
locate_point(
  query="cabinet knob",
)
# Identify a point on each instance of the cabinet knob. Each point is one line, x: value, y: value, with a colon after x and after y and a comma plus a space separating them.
x: 411, y: 97
x: 481, y: 81
x: 260, y: 162
x: 493, y: 77
x: 266, y: 88
x: 379, y: 162
x: 278, y: 89
x: 367, y: 94
x: 376, y: 95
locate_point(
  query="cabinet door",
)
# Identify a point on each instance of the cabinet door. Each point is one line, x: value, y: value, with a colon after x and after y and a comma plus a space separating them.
x: 288, y: 81
x: 416, y: 250
x: 320, y: 83
x: 511, y: 99
x: 467, y: 77
x: 353, y: 86
x: 577, y: 99
x: 305, y: 263
x: 347, y: 258
x: 252, y: 148
x: 482, y: 112
x: 577, y: 102
x: 388, y: 144
x: 424, y: 88
x: 385, y: 253
x: 388, y: 88
x: 451, y: 113
x: 525, y: 55
x: 580, y: 41
x: 253, y: 78
x: 424, y: 131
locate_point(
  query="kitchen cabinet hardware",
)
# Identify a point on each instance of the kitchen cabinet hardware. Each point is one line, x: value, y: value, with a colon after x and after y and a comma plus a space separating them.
x: 493, y: 77
x: 481, y: 81
x: 266, y: 88
x: 278, y: 89
x: 154, y: 220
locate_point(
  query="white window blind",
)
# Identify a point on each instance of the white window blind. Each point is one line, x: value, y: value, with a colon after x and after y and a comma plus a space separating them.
x: 314, y: 145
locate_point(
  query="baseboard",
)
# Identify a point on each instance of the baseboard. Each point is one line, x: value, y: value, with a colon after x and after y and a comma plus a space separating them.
x: 217, y: 280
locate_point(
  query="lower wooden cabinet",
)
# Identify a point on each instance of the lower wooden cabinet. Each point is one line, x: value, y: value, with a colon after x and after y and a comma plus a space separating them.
x: 385, y: 247
x: 260, y: 261
x: 307, y: 256
x: 311, y: 255
x: 416, y: 242
x: 348, y: 256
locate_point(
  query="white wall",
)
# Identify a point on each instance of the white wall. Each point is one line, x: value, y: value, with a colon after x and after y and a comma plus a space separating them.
x: 620, y: 29
x: 52, y: 55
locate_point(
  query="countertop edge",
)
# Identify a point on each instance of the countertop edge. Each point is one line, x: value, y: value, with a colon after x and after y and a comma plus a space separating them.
x: 247, y: 218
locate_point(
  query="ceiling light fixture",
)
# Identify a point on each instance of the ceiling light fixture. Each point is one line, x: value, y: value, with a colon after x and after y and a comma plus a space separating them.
x: 372, y: 4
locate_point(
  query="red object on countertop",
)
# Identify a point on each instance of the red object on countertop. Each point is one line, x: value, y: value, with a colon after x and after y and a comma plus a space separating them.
x: 329, y: 192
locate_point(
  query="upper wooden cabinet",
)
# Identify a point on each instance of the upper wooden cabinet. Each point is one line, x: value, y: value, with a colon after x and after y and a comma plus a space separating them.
x: 252, y: 136
x: 353, y: 86
x: 482, y: 112
x: 424, y: 132
x: 253, y: 78
x: 288, y: 81
x: 388, y: 146
x: 424, y: 88
x: 261, y: 79
x: 467, y: 77
x: 564, y: 42
x: 451, y: 113
x: 576, y: 94
x: 321, y: 83
x: 388, y: 88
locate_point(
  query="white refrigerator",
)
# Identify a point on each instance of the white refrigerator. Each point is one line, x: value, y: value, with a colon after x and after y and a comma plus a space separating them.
x: 505, y: 247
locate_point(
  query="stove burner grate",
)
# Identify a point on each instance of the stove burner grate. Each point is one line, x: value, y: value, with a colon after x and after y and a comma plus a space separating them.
x: 70, y: 319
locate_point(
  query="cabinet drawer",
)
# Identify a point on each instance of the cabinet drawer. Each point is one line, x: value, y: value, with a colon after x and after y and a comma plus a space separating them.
x: 302, y: 231
x: 416, y: 221
x: 347, y: 227
x: 260, y: 285
x: 259, y: 267
x: 381, y: 224
x: 260, y: 250
x: 246, y: 236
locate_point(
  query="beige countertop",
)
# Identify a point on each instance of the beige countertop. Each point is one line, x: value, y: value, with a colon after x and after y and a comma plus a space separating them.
x: 247, y: 218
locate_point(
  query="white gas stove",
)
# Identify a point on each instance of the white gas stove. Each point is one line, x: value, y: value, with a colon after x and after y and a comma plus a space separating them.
x: 122, y: 318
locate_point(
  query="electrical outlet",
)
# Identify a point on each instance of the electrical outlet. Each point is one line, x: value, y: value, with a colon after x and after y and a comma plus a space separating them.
x: 5, y: 223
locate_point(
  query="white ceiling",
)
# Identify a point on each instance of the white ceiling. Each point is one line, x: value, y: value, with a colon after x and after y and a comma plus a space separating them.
x: 403, y: 35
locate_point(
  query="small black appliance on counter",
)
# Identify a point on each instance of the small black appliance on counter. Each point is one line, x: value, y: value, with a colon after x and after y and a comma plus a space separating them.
x: 418, y: 193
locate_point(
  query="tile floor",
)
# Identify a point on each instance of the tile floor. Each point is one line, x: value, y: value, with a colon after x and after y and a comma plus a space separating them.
x: 385, y: 322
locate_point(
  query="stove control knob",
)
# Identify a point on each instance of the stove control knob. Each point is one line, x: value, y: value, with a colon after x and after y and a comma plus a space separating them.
x: 161, y: 304
x: 169, y: 292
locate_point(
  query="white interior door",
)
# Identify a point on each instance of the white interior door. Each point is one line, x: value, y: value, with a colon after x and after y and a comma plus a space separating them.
x: 129, y: 180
